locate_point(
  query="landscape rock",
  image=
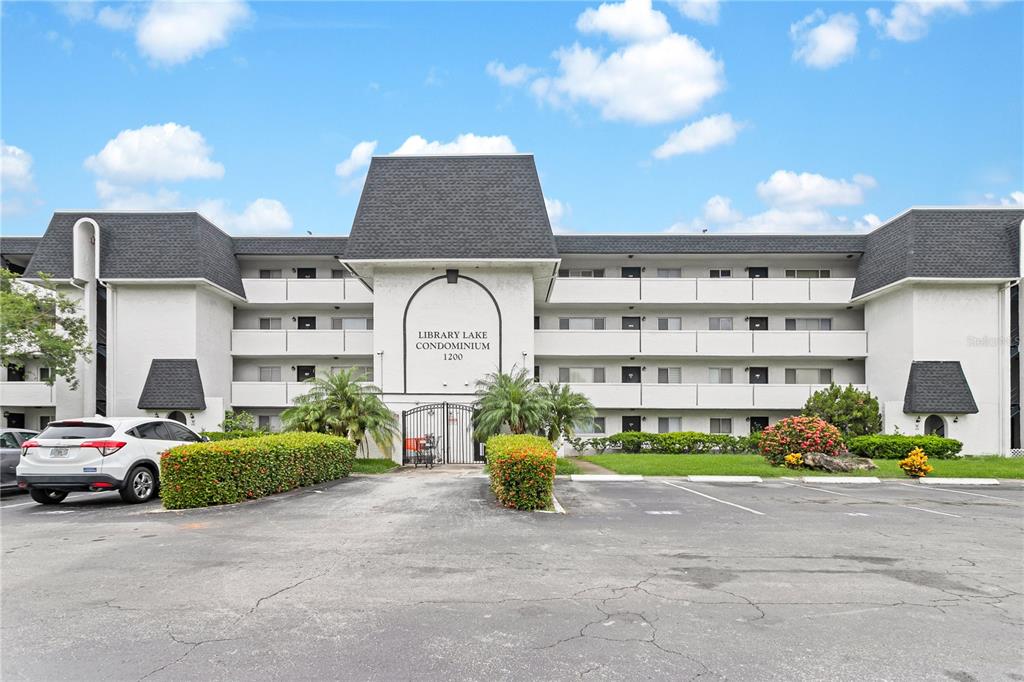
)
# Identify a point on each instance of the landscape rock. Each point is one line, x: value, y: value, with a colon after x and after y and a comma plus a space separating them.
x: 823, y: 462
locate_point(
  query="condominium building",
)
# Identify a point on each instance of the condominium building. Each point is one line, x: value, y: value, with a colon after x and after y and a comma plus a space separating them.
x: 450, y: 271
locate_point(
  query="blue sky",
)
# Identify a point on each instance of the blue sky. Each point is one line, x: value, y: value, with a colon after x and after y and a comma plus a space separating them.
x: 734, y: 117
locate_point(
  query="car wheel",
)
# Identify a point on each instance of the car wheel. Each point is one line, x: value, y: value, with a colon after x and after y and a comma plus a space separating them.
x: 140, y: 486
x: 44, y: 496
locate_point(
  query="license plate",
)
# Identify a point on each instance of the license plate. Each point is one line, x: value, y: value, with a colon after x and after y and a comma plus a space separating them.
x: 57, y: 453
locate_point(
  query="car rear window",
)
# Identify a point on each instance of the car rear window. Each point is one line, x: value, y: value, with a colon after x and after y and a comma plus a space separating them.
x: 75, y: 430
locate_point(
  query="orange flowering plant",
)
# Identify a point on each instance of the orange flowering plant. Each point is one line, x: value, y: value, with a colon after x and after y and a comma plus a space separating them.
x: 522, y: 470
x: 915, y: 464
x: 799, y: 434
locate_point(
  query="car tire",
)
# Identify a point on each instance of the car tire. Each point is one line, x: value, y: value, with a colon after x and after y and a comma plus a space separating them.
x: 140, y: 485
x: 46, y: 496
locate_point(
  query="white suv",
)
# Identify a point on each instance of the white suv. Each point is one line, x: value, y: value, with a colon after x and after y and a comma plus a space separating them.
x: 97, y: 454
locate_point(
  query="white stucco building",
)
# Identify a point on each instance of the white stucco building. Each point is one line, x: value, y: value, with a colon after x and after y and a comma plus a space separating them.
x: 451, y: 271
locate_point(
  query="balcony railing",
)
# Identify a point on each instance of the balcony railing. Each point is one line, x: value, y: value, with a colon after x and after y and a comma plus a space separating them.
x: 266, y: 393
x: 699, y: 396
x: 27, y: 394
x: 575, y: 343
x: 333, y: 291
x: 270, y: 342
x: 700, y: 290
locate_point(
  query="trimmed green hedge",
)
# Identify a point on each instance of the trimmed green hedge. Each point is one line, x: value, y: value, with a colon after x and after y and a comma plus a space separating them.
x: 522, y: 470
x: 215, y: 436
x: 682, y: 442
x: 228, y: 471
x: 896, y: 446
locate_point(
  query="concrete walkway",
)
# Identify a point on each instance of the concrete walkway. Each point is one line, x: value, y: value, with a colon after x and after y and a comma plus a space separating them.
x: 590, y: 467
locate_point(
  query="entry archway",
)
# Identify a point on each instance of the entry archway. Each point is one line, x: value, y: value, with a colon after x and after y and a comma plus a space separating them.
x: 934, y: 425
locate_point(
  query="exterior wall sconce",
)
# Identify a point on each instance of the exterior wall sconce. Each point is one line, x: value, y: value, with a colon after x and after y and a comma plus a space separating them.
x: 956, y: 419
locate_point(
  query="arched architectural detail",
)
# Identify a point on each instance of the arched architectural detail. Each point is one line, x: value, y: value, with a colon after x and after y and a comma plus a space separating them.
x: 934, y: 425
x: 178, y: 416
x: 85, y: 239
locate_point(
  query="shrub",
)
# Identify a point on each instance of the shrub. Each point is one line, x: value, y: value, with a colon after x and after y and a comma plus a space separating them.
x: 675, y: 443
x: 231, y: 435
x: 896, y: 446
x: 916, y: 464
x: 794, y: 460
x: 748, y: 443
x: 852, y: 411
x: 522, y: 470
x: 799, y: 434
x: 238, y: 421
x: 227, y: 471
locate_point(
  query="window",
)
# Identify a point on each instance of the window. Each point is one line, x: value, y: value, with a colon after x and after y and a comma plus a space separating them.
x: 536, y: 373
x: 934, y: 426
x: 669, y: 424
x: 305, y: 372
x: 15, y: 373
x: 352, y: 323
x: 577, y: 272
x: 595, y: 425
x: 808, y: 376
x: 813, y: 324
x: 536, y: 321
x: 151, y: 431
x: 76, y: 431
x: 364, y: 372
x: 720, y: 323
x: 631, y: 322
x: 270, y: 323
x: 809, y: 274
x: 43, y: 422
x: 263, y: 422
x: 670, y: 375
x: 720, y: 375
x: 670, y: 272
x: 720, y: 272
x: 179, y: 432
x: 306, y: 322
x: 581, y: 375
x: 8, y: 441
x: 305, y: 273
x: 270, y: 373
x: 581, y: 323
x: 44, y: 373
x: 721, y: 425
x: 335, y: 274
x: 270, y: 274
x: 670, y: 323
x: 758, y: 375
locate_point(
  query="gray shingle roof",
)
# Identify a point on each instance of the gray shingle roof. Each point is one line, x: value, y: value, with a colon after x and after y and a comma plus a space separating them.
x: 18, y: 246
x: 938, y: 386
x: 962, y: 243
x: 451, y: 207
x: 290, y: 246
x: 173, y: 385
x: 143, y: 246
x: 707, y: 243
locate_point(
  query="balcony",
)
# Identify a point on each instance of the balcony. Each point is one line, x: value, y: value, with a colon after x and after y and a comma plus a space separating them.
x: 699, y: 396
x: 309, y: 291
x: 27, y: 394
x: 711, y: 291
x: 266, y: 393
x: 652, y: 343
x: 304, y: 342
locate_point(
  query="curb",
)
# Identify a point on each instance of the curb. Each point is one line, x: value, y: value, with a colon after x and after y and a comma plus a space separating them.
x: 606, y: 477
x: 724, y: 479
x: 958, y: 481
x: 840, y: 479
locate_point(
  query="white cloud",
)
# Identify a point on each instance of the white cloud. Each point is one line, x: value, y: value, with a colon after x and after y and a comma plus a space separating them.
x: 173, y: 32
x: 517, y: 75
x: 467, y: 143
x: 703, y: 11
x: 821, y: 42
x: 700, y: 136
x: 125, y: 198
x: 789, y: 189
x: 262, y: 216
x: 358, y: 158
x: 116, y: 19
x: 782, y: 221
x: 909, y: 20
x: 649, y: 82
x: 157, y: 152
x: 15, y: 168
x: 1015, y: 199
x: 557, y: 212
x: 718, y: 209
x: 77, y: 10
x: 631, y: 20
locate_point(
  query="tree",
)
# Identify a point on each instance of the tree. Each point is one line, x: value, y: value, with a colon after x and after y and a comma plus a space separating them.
x: 852, y: 411
x: 238, y: 421
x: 41, y: 323
x: 512, y: 400
x: 341, y: 404
x: 566, y: 410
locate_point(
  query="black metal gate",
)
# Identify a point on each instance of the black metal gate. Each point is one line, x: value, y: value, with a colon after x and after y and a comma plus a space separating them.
x: 441, y: 431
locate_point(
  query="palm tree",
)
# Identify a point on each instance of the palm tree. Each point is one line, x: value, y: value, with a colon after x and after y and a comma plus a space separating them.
x: 511, y: 400
x: 567, y: 410
x: 342, y: 404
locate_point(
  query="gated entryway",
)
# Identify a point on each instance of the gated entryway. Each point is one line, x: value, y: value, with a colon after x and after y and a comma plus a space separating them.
x: 443, y: 431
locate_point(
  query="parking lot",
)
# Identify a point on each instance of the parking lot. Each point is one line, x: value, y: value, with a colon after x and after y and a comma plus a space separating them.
x: 423, y: 576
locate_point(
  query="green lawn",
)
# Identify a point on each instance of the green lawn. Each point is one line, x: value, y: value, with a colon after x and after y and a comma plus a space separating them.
x: 372, y: 466
x: 566, y: 466
x: 755, y: 465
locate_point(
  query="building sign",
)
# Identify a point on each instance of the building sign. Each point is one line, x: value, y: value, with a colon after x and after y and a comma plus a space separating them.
x: 452, y: 337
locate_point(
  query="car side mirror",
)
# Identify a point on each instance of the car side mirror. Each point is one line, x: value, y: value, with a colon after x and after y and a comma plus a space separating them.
x: 204, y: 439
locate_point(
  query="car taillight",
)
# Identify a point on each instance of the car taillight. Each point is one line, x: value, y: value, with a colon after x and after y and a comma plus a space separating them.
x: 106, y: 447
x: 28, y: 444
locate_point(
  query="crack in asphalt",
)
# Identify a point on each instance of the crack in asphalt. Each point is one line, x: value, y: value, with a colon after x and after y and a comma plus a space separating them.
x: 192, y: 646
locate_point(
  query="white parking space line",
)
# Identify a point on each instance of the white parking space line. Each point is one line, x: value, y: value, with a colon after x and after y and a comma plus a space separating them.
x: 959, y: 492
x: 865, y: 499
x: 21, y: 504
x: 731, y: 504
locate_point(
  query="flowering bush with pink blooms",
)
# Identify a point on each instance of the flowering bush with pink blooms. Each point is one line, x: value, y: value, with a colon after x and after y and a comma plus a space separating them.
x: 799, y: 434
